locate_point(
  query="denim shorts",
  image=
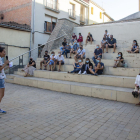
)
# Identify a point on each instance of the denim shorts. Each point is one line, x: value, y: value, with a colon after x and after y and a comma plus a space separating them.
x: 2, y: 83
x: 51, y: 62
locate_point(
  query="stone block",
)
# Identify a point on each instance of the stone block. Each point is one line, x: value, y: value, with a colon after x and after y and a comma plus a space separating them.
x: 98, y: 92
x: 61, y: 87
x: 81, y: 90
x: 126, y: 97
x: 110, y: 95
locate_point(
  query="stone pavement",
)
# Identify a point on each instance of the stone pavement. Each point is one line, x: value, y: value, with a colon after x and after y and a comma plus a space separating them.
x: 37, y: 114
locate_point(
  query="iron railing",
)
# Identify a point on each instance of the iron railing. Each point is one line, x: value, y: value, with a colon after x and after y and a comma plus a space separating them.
x: 53, y: 5
x: 72, y: 13
x: 23, y: 59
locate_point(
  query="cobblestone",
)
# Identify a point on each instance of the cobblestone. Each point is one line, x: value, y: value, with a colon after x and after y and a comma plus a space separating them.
x: 37, y: 114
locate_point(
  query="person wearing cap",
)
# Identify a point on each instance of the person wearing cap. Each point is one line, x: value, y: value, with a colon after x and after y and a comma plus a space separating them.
x: 89, y: 38
x: 77, y: 66
x: 97, y: 53
x: 52, y: 61
x: 59, y: 60
x: 74, y: 37
x: 45, y: 60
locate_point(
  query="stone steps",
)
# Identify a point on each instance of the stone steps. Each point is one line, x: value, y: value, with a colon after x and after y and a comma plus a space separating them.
x: 109, y: 80
x: 92, y: 90
x: 107, y: 62
x: 108, y: 70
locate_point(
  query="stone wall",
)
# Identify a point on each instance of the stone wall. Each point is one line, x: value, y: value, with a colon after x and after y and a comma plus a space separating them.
x: 63, y: 25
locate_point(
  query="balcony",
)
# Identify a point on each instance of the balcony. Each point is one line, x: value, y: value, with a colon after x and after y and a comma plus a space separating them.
x: 72, y: 14
x: 53, y: 6
x: 82, y: 19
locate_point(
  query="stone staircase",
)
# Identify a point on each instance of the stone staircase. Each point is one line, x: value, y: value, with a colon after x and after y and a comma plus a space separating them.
x: 116, y: 84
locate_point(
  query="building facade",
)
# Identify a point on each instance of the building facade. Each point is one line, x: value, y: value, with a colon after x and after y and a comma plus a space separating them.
x: 42, y: 15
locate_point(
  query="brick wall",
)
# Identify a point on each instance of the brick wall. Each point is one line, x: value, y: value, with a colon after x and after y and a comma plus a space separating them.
x: 18, y: 11
x: 63, y: 25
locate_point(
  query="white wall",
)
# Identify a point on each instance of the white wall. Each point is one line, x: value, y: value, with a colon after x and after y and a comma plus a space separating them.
x: 95, y: 18
x: 124, y: 32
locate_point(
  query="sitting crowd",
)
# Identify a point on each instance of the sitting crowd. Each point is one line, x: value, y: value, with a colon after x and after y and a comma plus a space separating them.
x: 75, y: 47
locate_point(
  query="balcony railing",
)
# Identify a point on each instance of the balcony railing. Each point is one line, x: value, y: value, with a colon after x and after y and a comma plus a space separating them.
x: 72, y: 14
x: 82, y: 19
x: 52, y: 5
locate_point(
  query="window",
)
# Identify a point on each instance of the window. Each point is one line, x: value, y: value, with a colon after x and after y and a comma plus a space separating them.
x: 49, y: 26
x: 92, y: 10
x: 100, y: 15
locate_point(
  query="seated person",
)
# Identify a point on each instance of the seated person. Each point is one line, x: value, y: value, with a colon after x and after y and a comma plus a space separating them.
x: 99, y: 66
x: 135, y: 47
x: 97, y: 53
x: 89, y: 38
x: 74, y: 37
x: 63, y: 45
x: 106, y: 34
x: 66, y: 50
x: 80, y: 39
x: 81, y: 53
x: 52, y: 61
x: 86, y: 67
x: 29, y: 69
x: 110, y: 44
x: 119, y: 61
x: 45, y: 60
x: 103, y: 43
x: 136, y: 92
x: 74, y: 49
x: 77, y: 66
x: 59, y: 60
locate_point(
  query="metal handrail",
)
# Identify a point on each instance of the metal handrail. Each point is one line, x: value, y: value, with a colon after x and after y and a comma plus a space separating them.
x: 37, y: 47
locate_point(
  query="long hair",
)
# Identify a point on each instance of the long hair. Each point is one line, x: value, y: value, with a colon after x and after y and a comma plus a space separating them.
x: 136, y: 42
x: 88, y: 60
x: 120, y: 53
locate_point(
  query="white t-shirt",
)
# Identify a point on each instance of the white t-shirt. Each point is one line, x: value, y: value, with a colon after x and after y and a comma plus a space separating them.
x: 54, y: 57
x: 2, y: 74
x: 80, y: 52
x: 107, y: 35
x: 138, y: 80
x: 59, y: 58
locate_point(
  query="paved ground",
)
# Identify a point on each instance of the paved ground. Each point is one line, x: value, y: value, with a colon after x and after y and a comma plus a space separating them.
x: 47, y: 115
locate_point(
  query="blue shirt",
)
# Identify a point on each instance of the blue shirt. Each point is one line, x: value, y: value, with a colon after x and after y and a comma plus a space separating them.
x: 98, y: 51
x: 112, y: 41
x: 75, y: 46
x: 102, y: 64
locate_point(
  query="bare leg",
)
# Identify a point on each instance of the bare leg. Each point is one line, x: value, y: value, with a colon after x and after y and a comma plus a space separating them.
x: 114, y: 48
x: 91, y: 40
x: 1, y: 93
x: 86, y: 41
x: 41, y: 64
x: 98, y: 66
x: 54, y: 65
x: 102, y: 46
x: 107, y: 48
x: 91, y: 71
x: 59, y: 64
x: 75, y: 58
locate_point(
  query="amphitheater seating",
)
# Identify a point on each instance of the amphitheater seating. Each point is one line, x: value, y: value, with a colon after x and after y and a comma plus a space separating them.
x: 116, y: 84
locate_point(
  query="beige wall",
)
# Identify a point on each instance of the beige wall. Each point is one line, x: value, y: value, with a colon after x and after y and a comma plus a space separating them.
x: 15, y: 37
x: 15, y: 51
x: 124, y: 32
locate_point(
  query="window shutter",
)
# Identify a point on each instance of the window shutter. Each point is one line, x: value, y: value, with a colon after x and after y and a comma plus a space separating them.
x: 45, y: 26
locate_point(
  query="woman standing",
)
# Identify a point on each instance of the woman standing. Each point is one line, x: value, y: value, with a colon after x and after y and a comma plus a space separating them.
x: 2, y: 75
x: 80, y: 39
